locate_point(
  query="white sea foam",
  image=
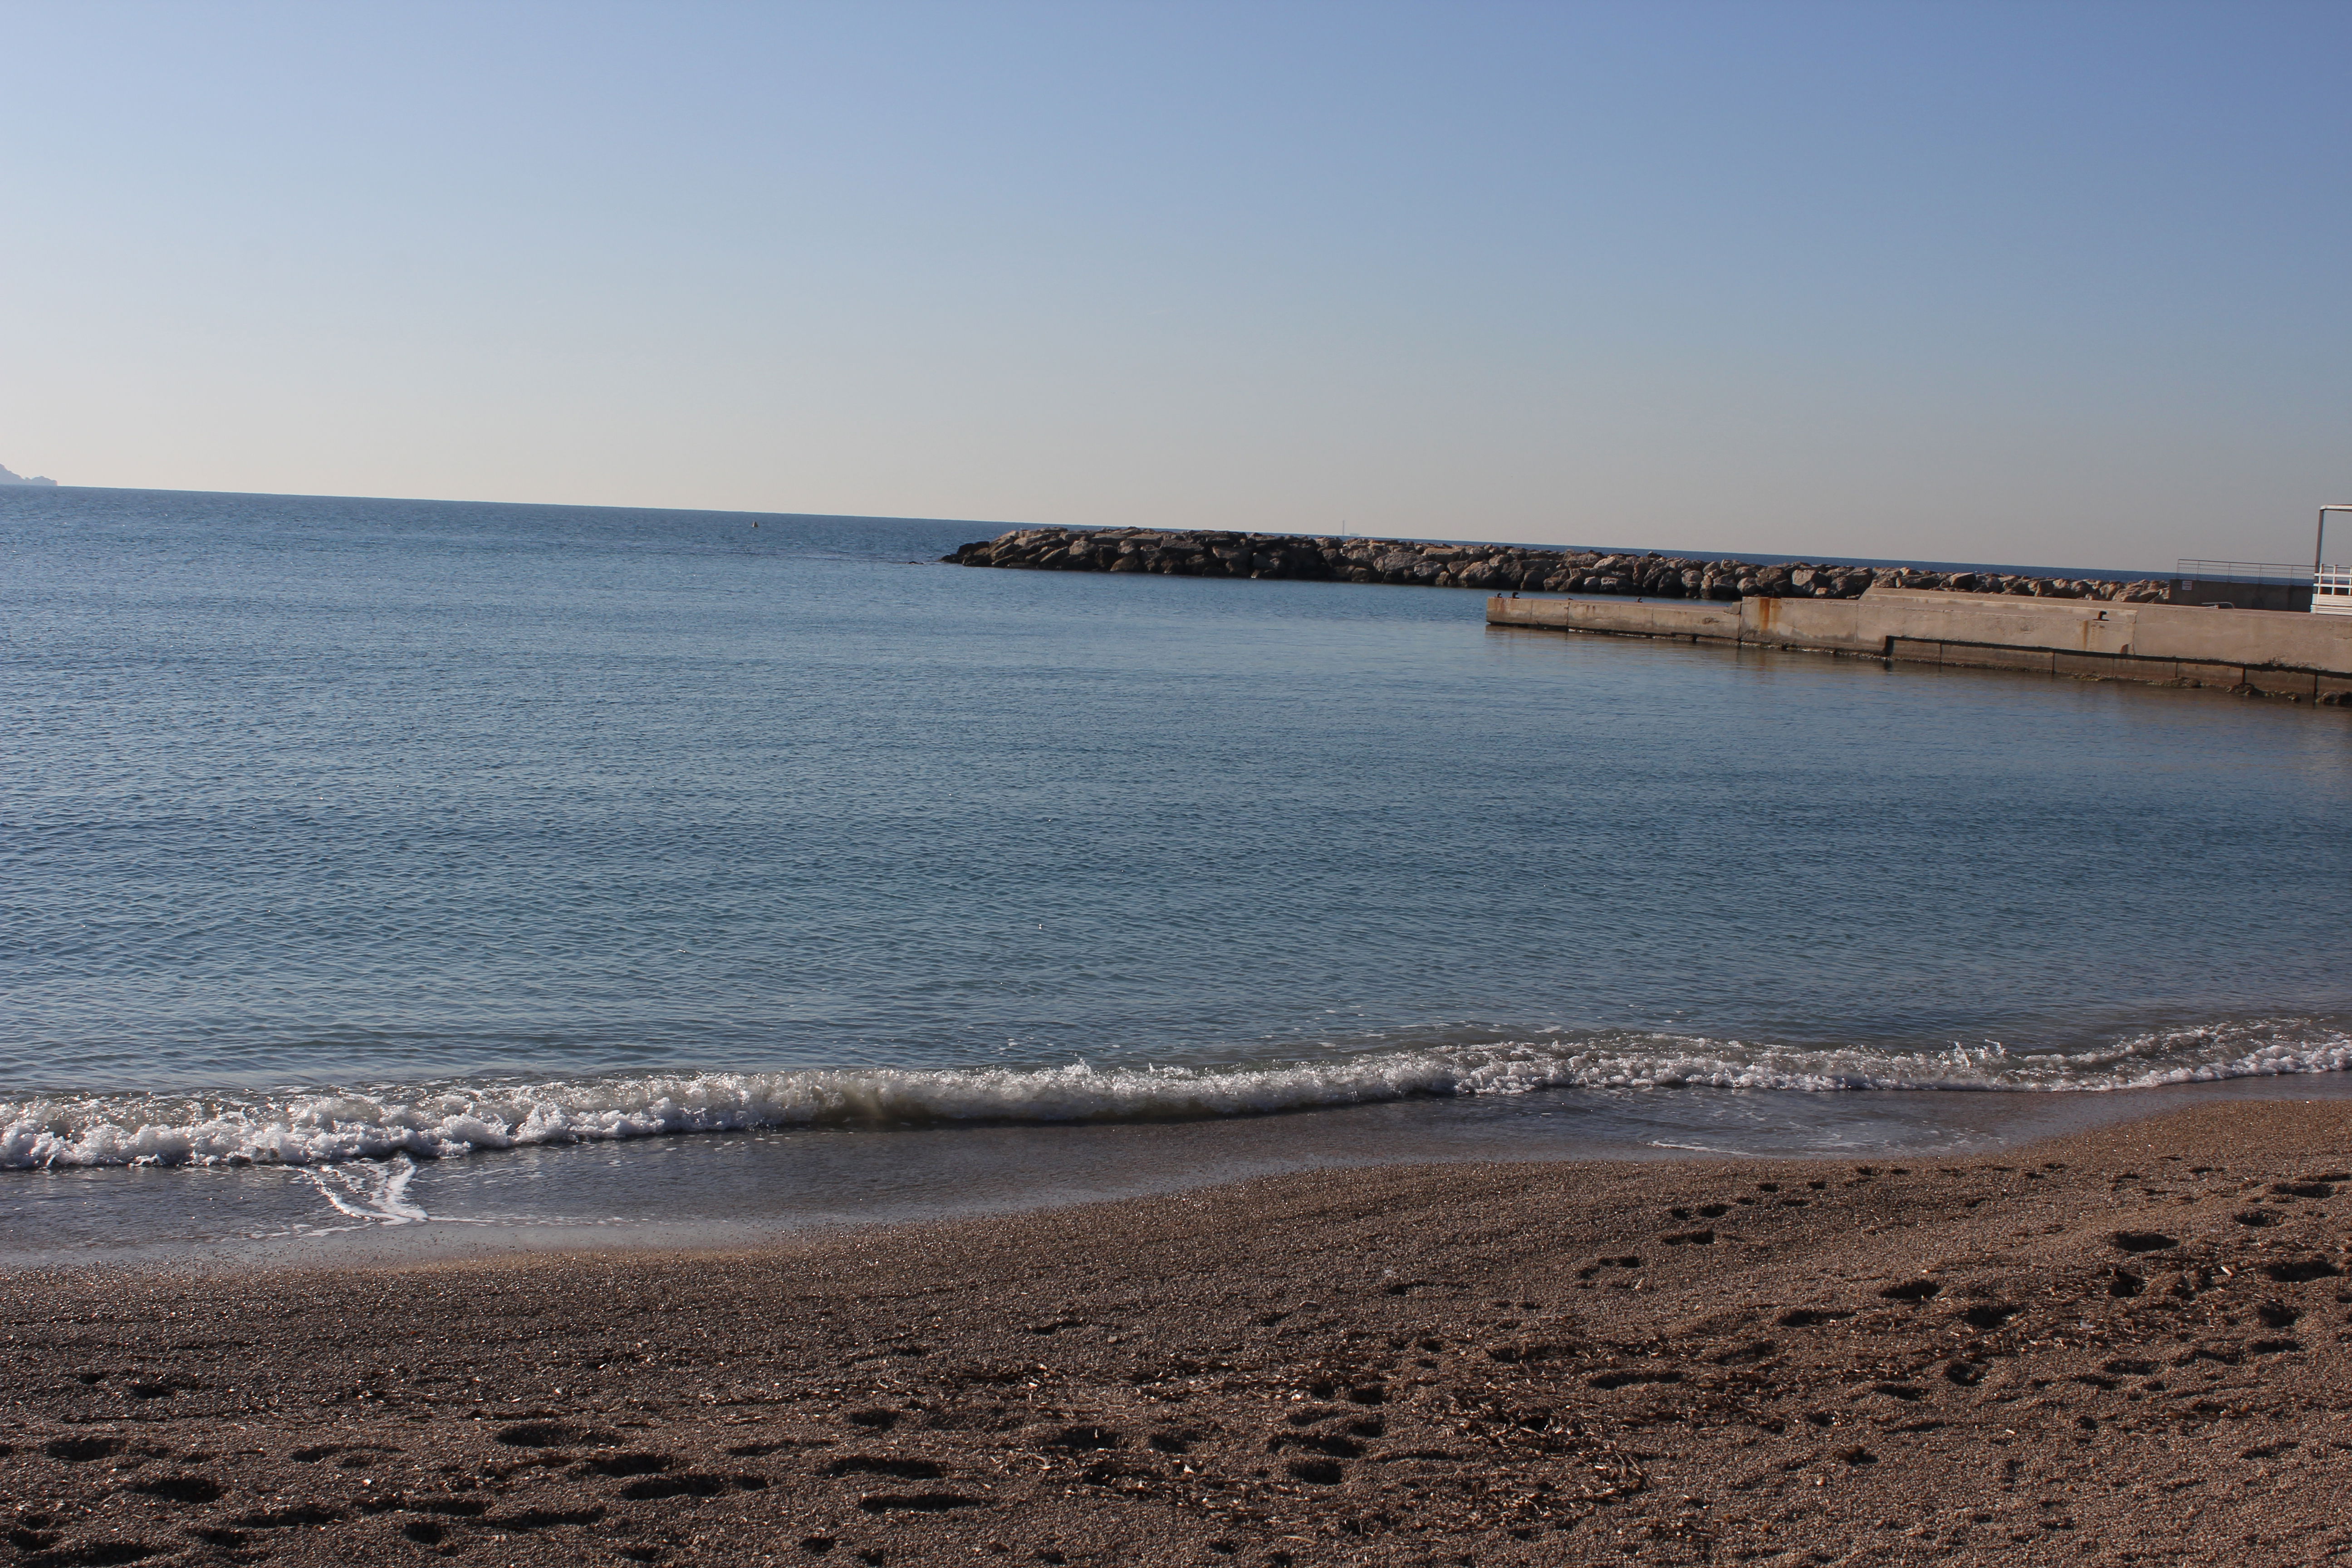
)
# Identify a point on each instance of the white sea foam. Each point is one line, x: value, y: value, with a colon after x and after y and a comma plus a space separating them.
x: 438, y: 1121
x: 377, y: 1192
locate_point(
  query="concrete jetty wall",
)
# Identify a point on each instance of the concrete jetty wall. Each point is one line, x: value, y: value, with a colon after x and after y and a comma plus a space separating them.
x: 2303, y: 656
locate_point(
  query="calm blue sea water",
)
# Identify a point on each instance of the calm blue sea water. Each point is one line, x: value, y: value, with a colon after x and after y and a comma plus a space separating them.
x: 335, y: 829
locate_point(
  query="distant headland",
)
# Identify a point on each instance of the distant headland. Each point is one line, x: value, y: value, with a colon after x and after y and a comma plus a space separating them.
x: 8, y: 478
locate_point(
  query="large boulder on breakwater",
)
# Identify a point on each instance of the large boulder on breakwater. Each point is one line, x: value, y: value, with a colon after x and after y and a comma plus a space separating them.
x: 1491, y: 568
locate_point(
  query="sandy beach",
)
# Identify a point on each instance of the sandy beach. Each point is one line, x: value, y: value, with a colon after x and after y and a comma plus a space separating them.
x: 2128, y: 1346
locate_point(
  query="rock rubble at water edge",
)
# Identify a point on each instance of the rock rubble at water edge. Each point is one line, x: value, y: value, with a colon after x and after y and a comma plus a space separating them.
x: 1493, y: 568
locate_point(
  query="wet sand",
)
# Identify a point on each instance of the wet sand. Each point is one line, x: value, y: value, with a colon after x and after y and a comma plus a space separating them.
x: 2127, y: 1345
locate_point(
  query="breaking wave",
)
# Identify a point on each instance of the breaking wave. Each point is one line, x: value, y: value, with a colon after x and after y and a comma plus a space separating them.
x: 435, y: 1122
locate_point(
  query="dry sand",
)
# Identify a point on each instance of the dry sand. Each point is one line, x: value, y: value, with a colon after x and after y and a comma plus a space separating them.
x: 2130, y: 1347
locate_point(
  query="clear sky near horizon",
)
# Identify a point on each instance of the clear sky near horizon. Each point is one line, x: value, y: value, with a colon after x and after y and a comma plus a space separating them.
x: 2057, y: 284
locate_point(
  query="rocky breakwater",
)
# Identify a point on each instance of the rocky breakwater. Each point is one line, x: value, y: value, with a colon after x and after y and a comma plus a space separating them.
x: 1493, y: 568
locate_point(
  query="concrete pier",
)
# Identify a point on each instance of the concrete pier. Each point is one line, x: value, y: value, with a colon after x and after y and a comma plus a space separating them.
x: 2269, y: 652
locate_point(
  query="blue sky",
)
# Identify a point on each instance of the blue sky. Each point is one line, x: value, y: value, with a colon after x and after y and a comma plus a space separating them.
x: 2050, y: 283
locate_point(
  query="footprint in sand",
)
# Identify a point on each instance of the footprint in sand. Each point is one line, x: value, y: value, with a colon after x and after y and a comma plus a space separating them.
x: 551, y: 1435
x: 300, y: 1513
x: 544, y: 1518
x: 97, y: 1552
x: 1089, y: 1439
x: 918, y: 1502
x: 877, y: 1465
x: 1610, y: 1380
x: 1912, y: 1290
x: 180, y: 1488
x: 2144, y: 1241
x: 81, y: 1451
x: 653, y: 1489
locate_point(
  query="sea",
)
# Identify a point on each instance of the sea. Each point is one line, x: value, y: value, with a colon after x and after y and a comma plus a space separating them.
x: 444, y: 877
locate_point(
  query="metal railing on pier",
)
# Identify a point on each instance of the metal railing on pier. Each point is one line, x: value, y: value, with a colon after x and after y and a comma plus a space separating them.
x: 2242, y: 572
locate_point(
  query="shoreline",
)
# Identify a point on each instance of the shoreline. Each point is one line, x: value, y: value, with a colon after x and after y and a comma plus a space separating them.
x: 2075, y: 1350
x: 730, y: 1190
